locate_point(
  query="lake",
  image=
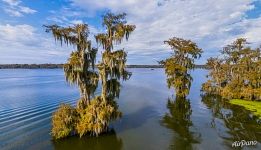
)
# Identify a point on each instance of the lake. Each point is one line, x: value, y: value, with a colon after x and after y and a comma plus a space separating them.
x: 152, y: 118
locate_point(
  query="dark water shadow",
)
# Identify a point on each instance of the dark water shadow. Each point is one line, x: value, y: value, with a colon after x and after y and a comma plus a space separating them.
x: 106, y: 141
x: 232, y: 122
x: 134, y: 120
x: 178, y: 120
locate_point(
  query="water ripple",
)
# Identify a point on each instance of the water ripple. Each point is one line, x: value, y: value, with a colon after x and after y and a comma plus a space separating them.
x: 21, y: 123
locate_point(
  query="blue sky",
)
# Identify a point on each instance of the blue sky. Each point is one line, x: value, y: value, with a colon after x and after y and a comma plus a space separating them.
x: 211, y: 24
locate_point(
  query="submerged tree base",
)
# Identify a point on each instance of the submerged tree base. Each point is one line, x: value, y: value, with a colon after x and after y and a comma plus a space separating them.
x: 253, y: 106
x: 93, y: 119
x: 63, y: 121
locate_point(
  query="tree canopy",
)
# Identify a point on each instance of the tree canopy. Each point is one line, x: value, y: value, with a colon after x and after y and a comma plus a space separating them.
x: 113, y: 65
x: 79, y: 68
x: 93, y: 113
x: 237, y: 73
x: 178, y: 66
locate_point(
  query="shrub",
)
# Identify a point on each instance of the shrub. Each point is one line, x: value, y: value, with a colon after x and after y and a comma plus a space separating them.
x: 95, y: 118
x: 63, y: 121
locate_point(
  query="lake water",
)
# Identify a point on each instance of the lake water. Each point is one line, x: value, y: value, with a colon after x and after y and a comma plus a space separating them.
x: 152, y: 118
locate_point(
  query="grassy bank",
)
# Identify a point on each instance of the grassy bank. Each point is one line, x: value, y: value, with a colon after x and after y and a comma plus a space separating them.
x: 253, y: 106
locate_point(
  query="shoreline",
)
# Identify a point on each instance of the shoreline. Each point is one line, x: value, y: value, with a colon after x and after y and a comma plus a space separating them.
x: 58, y: 66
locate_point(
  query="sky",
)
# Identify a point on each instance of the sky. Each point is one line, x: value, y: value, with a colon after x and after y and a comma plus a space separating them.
x: 212, y: 24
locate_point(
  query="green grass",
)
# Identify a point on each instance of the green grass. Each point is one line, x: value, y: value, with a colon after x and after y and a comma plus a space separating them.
x: 253, y: 106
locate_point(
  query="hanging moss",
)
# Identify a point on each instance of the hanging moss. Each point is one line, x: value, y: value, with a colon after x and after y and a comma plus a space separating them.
x: 236, y: 74
x: 95, y: 118
x: 178, y: 66
x: 63, y: 121
x: 92, y: 119
x: 93, y: 115
x: 79, y: 69
x: 113, y: 65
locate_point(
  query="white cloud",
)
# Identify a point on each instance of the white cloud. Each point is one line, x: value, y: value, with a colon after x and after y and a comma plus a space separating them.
x: 65, y: 16
x: 252, y: 30
x: 16, y: 33
x: 77, y: 22
x: 14, y: 8
x: 12, y: 2
x: 212, y: 24
x: 27, y: 10
x: 13, y: 12
x: 23, y: 44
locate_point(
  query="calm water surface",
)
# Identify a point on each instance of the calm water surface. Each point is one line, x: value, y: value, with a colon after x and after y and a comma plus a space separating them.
x: 152, y: 118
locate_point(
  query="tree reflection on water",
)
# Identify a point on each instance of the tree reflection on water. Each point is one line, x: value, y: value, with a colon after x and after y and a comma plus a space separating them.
x: 233, y: 123
x: 108, y: 141
x: 178, y: 120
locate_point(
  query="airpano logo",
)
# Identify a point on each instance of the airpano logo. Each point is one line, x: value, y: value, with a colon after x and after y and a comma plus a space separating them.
x: 243, y: 143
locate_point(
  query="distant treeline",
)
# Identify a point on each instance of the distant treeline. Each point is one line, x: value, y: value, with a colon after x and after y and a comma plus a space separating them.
x: 30, y: 66
x: 160, y: 66
x: 54, y: 66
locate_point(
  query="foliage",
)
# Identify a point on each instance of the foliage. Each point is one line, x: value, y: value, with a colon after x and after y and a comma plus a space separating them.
x: 95, y: 118
x: 79, y: 68
x: 63, y: 121
x: 178, y: 66
x: 253, y: 106
x: 94, y: 113
x: 237, y: 74
x: 113, y: 65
